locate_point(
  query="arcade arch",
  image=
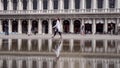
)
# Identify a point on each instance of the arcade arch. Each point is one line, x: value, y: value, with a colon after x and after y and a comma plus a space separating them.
x: 24, y: 26
x: 77, y: 25
x: 111, y: 26
x: 5, y: 26
x: 66, y: 26
x: 14, y: 26
x: 45, y: 26
x: 34, y: 28
x: 88, y: 27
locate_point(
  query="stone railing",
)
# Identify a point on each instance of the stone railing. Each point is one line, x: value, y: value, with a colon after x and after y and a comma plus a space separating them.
x: 65, y: 11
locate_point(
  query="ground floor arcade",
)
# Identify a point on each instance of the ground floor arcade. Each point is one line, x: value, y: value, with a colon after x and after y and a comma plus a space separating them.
x: 44, y: 26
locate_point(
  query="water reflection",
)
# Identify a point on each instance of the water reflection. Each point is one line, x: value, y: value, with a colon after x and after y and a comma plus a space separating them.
x: 38, y: 53
x: 44, y: 45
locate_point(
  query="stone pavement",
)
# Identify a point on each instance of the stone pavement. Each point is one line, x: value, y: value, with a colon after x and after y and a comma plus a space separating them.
x: 64, y: 36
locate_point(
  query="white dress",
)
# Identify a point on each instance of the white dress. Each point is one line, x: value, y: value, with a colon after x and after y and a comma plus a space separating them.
x: 58, y: 26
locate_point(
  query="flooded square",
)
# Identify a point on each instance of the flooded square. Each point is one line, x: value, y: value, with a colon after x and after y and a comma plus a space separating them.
x: 74, y: 53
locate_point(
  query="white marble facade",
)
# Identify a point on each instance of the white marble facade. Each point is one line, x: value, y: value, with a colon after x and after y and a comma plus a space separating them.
x: 69, y: 18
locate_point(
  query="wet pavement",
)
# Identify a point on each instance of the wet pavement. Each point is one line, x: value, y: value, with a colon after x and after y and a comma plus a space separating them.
x: 79, y: 52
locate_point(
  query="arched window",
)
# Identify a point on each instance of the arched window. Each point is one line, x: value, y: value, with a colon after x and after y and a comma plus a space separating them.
x: 45, y: 4
x: 14, y: 4
x: 77, y: 4
x: 55, y: 4
x: 100, y: 3
x: 24, y: 4
x: 111, y: 3
x: 34, y: 4
x: 5, y: 4
x: 66, y: 4
x: 88, y: 4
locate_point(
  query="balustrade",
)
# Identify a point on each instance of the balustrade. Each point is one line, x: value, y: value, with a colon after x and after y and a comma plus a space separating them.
x: 61, y: 11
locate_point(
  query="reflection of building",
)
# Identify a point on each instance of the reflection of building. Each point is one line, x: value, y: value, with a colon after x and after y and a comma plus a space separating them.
x: 37, y: 53
x: 48, y: 62
x: 22, y: 15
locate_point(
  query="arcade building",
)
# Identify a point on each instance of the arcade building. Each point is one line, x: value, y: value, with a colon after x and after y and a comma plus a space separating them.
x: 27, y: 16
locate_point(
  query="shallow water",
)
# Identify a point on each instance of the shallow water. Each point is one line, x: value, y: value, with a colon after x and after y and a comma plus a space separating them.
x: 38, y: 53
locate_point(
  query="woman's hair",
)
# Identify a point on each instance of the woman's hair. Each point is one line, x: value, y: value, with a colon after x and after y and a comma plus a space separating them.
x: 58, y: 19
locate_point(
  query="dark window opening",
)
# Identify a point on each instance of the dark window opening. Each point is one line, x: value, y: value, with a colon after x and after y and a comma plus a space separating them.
x: 66, y: 4
x: 88, y: 4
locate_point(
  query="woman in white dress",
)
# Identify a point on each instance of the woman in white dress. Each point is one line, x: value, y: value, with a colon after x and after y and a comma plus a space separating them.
x: 57, y: 28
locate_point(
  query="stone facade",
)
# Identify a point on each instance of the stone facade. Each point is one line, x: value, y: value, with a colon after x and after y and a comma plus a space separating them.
x: 95, y: 20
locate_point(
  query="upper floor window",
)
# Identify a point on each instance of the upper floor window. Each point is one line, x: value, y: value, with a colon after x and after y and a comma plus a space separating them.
x: 5, y: 4
x: 24, y: 4
x: 55, y: 4
x: 45, y: 3
x: 88, y: 4
x: 77, y: 4
x: 14, y: 4
x: 100, y: 3
x: 34, y: 4
x: 111, y: 3
x: 66, y: 4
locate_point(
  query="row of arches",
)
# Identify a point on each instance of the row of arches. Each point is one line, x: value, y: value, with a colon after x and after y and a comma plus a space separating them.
x: 77, y: 26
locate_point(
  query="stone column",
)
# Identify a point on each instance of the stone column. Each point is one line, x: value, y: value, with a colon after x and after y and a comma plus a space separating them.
x: 94, y: 4
x: 105, y: 45
x: 9, y: 63
x: 19, y: 44
x: 39, y: 64
x: 94, y: 64
x: 61, y: 4
x: 40, y: 4
x: 116, y: 25
x: 71, y: 43
x: 19, y: 63
x: 1, y: 63
x: 83, y: 63
x: 50, y: 4
x: 19, y: 26
x: 29, y: 26
x: 72, y: 4
x: 106, y: 26
x: 29, y: 44
x: 39, y: 44
x: 9, y: 44
x: 50, y: 44
x: 71, y: 26
x: 106, y: 4
x: 117, y: 5
x: 29, y: 5
x: 118, y: 64
x: 82, y: 45
x: 82, y: 4
x: 10, y: 5
x: 71, y: 64
x: 61, y: 23
x: 105, y: 64
x: 40, y: 27
x: 61, y: 64
x: 50, y: 64
x: 29, y: 63
x: 1, y: 26
x: 82, y: 24
x: 10, y: 26
x: 20, y: 5
x: 1, y: 4
x: 94, y: 27
x: 0, y: 44
x: 50, y: 26
x: 94, y: 45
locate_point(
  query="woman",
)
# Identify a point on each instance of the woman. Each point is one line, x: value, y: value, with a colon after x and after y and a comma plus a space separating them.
x: 57, y: 28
